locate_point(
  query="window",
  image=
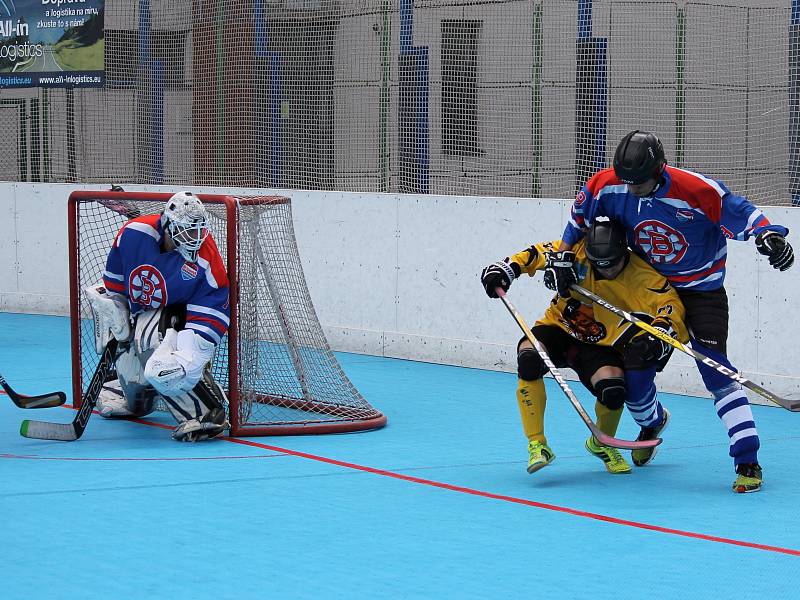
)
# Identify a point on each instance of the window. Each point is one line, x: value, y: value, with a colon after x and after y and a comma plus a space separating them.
x: 122, y: 55
x: 459, y: 87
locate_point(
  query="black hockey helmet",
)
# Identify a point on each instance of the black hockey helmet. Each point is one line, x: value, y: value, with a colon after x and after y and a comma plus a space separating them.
x: 639, y: 157
x: 606, y: 244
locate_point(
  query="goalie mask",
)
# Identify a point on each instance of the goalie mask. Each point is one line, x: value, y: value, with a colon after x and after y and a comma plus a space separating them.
x: 186, y: 220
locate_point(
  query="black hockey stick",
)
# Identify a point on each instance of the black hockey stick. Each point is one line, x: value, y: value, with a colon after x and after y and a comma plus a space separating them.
x: 69, y: 432
x: 602, y: 438
x: 792, y: 405
x: 41, y: 401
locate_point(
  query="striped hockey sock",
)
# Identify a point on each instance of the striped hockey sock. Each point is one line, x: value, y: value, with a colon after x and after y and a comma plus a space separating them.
x: 642, y: 402
x: 734, y: 409
x: 732, y: 406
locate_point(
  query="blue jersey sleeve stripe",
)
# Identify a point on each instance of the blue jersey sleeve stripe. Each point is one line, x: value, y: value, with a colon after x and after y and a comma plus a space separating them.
x: 218, y: 325
x: 205, y: 310
x: 206, y: 332
x: 109, y: 275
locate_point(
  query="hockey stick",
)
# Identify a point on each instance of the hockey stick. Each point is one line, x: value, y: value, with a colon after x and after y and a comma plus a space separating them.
x: 69, y: 432
x: 792, y: 405
x: 41, y: 401
x: 602, y: 438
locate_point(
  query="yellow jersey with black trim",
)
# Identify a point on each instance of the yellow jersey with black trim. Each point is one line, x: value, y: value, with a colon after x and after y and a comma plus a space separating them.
x: 638, y: 289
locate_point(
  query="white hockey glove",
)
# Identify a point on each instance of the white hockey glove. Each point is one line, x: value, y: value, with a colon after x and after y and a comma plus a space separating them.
x: 177, y: 364
x: 111, y: 315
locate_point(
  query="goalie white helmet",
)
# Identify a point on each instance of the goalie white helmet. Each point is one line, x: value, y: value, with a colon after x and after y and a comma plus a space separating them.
x: 186, y: 220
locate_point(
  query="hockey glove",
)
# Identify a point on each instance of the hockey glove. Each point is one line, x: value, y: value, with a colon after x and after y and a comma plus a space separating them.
x: 560, y: 272
x: 499, y: 274
x: 645, y: 349
x: 774, y: 245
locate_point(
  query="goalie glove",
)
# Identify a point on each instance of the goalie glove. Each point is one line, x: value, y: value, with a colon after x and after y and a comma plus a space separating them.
x: 645, y: 349
x: 111, y: 315
x: 499, y: 274
x: 772, y: 244
x: 178, y: 362
x: 560, y: 271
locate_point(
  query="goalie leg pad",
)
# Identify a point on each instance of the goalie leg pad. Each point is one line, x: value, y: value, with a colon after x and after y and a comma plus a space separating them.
x: 148, y: 331
x: 130, y: 394
x: 200, y: 413
x: 118, y: 401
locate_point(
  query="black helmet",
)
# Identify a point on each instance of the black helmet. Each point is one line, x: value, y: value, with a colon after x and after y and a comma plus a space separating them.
x: 639, y: 157
x: 606, y: 244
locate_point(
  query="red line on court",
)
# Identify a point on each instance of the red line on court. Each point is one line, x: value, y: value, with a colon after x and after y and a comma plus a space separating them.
x: 492, y: 496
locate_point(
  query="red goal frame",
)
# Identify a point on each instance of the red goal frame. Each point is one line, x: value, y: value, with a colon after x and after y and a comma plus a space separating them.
x: 364, y: 418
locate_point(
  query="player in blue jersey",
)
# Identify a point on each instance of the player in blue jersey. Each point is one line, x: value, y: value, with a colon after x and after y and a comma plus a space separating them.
x: 164, y: 297
x: 680, y: 222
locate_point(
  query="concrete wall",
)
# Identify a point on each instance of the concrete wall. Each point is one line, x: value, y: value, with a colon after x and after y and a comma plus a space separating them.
x: 397, y: 276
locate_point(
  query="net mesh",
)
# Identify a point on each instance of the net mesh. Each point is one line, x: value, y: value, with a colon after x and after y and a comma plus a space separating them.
x: 496, y: 97
x: 284, y: 377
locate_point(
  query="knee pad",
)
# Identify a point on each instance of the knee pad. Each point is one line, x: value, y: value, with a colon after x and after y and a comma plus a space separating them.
x: 611, y: 392
x: 530, y: 365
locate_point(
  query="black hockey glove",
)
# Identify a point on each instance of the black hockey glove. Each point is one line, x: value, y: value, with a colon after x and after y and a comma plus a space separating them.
x: 645, y: 349
x: 774, y: 245
x: 499, y: 274
x: 559, y: 272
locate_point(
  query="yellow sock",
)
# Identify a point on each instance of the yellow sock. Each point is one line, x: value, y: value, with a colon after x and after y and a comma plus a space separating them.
x: 532, y: 400
x: 607, y: 419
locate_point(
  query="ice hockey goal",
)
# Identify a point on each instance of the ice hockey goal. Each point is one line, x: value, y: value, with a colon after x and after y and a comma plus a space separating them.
x: 275, y: 362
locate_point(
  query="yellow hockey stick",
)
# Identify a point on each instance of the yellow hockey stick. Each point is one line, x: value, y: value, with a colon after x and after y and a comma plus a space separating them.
x: 788, y: 404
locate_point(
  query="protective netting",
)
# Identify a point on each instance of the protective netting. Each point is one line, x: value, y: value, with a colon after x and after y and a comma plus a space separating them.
x: 513, y: 98
x: 280, y: 375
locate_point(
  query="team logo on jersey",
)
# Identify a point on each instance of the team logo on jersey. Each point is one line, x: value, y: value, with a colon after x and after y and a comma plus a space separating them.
x: 580, y: 198
x: 188, y: 271
x: 147, y: 288
x: 660, y: 242
x: 727, y: 232
x: 579, y: 321
x: 684, y: 215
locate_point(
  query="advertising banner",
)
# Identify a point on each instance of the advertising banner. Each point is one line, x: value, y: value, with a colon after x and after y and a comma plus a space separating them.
x: 51, y: 43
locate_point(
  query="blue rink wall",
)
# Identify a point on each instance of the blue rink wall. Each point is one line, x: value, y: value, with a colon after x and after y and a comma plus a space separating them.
x: 396, y: 275
x: 436, y: 505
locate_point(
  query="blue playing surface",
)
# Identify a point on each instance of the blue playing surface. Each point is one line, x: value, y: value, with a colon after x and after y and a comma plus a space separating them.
x: 436, y: 505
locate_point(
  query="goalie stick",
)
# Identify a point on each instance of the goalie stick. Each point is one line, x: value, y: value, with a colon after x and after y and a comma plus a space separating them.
x: 601, y: 437
x: 69, y: 432
x: 41, y: 401
x: 788, y: 404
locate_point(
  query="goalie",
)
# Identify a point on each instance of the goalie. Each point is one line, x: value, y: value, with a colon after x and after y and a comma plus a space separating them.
x: 164, y: 297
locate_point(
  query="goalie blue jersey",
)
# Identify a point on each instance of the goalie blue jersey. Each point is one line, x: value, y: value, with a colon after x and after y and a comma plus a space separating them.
x: 151, y: 278
x: 682, y: 230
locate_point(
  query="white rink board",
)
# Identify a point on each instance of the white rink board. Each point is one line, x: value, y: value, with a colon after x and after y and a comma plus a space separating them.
x: 397, y: 276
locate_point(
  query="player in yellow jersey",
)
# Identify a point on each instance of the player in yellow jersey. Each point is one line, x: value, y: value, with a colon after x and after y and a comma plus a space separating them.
x: 614, y: 359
